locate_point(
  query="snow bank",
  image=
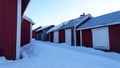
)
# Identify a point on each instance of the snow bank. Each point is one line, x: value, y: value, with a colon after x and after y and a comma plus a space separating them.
x: 48, y: 55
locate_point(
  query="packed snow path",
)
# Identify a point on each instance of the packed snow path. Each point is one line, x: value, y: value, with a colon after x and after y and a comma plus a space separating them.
x: 48, y: 55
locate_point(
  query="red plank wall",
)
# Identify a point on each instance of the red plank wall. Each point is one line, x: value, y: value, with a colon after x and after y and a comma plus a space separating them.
x: 77, y: 37
x: 61, y: 36
x: 72, y: 37
x: 8, y: 19
x: 33, y: 34
x: 51, y: 36
x: 25, y: 32
x: 114, y: 36
x: 87, y: 38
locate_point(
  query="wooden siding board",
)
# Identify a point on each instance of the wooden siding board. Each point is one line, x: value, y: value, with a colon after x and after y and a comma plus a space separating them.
x: 42, y: 34
x: 77, y: 37
x: 51, y: 36
x: 33, y: 34
x: 25, y: 32
x: 87, y: 38
x: 61, y: 36
x: 114, y: 38
x: 1, y: 26
x: 8, y: 26
x: 8, y: 19
x: 10, y: 30
x: 72, y: 36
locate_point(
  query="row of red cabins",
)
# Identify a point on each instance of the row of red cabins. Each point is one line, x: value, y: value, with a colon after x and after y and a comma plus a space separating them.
x: 102, y: 32
x: 15, y: 29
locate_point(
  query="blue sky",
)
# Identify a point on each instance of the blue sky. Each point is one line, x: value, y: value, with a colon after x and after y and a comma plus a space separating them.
x: 53, y: 12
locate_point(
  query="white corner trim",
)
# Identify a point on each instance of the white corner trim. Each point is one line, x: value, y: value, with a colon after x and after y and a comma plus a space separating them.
x: 80, y: 37
x: 18, y: 36
x: 56, y: 37
x: 103, y: 25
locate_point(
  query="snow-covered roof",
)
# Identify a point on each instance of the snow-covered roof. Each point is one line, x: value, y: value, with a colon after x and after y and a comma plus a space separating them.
x: 77, y: 21
x: 104, y: 20
x: 57, y: 27
x: 44, y: 27
x: 28, y: 19
x: 36, y: 28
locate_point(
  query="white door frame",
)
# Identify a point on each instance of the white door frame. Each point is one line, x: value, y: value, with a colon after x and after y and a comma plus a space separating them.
x: 56, y: 37
x: 68, y: 38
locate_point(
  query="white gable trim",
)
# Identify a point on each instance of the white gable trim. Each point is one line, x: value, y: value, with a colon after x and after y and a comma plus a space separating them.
x: 18, y: 36
x: 28, y: 19
x: 88, y: 16
x: 114, y: 23
x: 80, y: 37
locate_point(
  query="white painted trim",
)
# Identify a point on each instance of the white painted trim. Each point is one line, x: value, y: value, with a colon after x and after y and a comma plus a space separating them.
x: 88, y: 16
x: 100, y: 38
x: 80, y: 37
x: 114, y: 23
x: 68, y: 36
x: 56, y: 37
x: 18, y: 36
x: 28, y: 19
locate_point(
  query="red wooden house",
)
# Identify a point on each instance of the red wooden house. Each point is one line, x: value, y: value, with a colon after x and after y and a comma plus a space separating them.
x: 41, y: 33
x: 102, y: 32
x: 26, y: 30
x: 72, y: 35
x: 34, y: 32
x: 54, y: 32
x: 11, y: 12
x: 68, y: 33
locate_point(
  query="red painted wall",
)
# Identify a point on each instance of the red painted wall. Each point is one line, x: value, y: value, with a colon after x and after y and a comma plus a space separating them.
x: 51, y: 36
x: 34, y: 32
x: 42, y: 34
x: 61, y: 36
x: 8, y: 19
x: 87, y: 38
x: 77, y: 37
x: 72, y: 33
x: 114, y: 36
x: 25, y: 32
x: 8, y: 28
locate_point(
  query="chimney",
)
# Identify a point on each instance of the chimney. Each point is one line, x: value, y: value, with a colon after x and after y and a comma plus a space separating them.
x: 82, y: 14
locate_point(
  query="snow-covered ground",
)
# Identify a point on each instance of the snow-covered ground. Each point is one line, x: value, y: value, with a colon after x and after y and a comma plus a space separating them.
x: 40, y: 54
